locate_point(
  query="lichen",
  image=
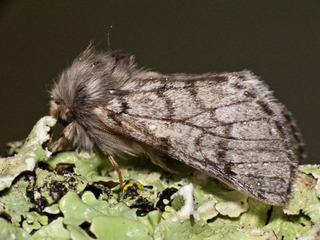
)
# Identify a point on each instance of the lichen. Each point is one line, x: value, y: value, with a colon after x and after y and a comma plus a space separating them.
x: 74, y: 195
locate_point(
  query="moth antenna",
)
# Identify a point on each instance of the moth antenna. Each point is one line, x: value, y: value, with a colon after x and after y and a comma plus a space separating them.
x: 108, y: 38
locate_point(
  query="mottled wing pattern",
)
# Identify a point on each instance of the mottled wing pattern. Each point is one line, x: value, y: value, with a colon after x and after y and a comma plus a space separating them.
x: 227, y: 125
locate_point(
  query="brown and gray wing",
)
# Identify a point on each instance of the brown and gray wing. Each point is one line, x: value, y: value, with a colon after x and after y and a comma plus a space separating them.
x: 226, y: 125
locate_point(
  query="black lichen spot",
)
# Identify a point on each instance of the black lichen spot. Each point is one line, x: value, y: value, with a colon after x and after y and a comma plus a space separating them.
x: 143, y: 206
x: 165, y: 195
x: 269, y: 214
x: 41, y: 203
x: 86, y: 227
x: 130, y: 191
x: 133, y: 198
x: 5, y: 215
x: 58, y: 189
x: 97, y: 189
x: 64, y: 169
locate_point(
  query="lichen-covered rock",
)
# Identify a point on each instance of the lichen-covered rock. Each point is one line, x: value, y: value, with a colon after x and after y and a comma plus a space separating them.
x: 76, y: 196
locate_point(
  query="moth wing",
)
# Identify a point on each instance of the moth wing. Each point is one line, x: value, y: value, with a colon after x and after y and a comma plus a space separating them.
x: 226, y: 125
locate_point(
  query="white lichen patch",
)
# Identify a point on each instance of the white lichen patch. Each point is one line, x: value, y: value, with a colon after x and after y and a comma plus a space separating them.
x: 29, y: 154
x: 188, y: 207
x: 30, y: 163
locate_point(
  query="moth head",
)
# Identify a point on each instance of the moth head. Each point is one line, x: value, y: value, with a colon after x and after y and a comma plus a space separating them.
x: 92, y: 79
x: 60, y: 111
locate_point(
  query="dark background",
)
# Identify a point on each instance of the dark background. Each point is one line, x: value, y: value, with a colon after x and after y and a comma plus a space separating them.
x: 277, y: 40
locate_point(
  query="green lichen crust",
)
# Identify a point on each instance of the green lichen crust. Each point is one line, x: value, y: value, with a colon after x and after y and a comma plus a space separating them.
x: 76, y: 196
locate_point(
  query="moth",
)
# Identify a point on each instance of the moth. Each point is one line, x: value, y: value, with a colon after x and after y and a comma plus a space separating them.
x: 226, y: 125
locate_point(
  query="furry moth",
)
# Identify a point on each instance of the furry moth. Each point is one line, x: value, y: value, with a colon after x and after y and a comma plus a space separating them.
x: 227, y: 125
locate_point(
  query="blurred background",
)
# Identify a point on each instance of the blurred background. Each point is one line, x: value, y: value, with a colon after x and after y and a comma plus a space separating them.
x: 278, y: 40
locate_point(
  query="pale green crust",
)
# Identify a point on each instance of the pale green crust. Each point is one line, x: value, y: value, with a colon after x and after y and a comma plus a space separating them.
x: 77, y: 196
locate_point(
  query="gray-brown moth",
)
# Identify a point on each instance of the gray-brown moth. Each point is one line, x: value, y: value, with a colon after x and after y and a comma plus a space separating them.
x: 227, y: 125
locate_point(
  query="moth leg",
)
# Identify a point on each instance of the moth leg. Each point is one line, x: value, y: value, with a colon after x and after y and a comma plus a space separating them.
x: 116, y: 167
x: 61, y: 142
